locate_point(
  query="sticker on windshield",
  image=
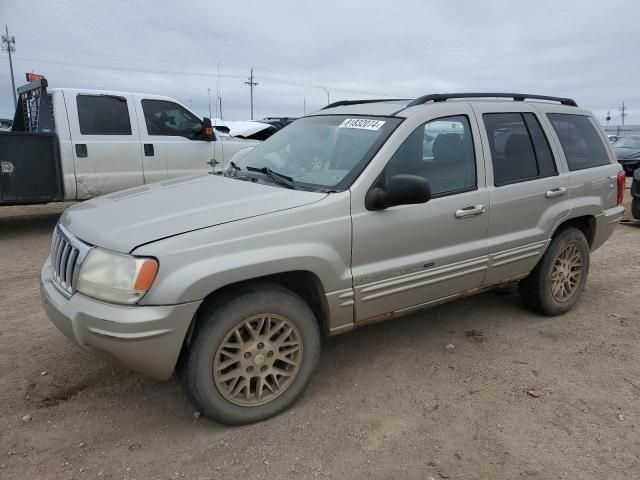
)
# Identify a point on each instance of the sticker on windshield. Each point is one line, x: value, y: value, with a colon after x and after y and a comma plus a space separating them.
x: 362, y: 123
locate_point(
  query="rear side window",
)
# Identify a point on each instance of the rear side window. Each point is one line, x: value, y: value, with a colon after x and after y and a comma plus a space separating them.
x: 519, y: 148
x: 103, y: 115
x: 580, y: 141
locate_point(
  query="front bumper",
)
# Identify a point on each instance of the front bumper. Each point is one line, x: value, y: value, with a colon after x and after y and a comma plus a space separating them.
x: 606, y: 223
x: 147, y: 339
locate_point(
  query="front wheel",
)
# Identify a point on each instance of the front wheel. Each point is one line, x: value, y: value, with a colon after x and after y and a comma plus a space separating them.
x: 254, y: 356
x: 555, y: 284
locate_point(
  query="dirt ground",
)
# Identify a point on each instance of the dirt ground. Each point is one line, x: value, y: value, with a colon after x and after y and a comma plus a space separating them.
x: 388, y: 401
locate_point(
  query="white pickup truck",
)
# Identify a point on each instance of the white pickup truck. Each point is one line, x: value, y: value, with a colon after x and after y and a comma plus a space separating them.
x: 74, y: 144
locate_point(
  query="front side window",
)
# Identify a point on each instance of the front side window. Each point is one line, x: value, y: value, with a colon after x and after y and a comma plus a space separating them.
x: 165, y: 118
x: 320, y: 151
x: 103, y: 115
x: 519, y: 148
x: 442, y: 152
x: 580, y: 141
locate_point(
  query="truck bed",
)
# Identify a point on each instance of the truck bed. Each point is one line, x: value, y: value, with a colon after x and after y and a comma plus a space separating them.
x: 30, y: 170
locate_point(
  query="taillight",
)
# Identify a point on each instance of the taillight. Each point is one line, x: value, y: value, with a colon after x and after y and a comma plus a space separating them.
x: 622, y: 180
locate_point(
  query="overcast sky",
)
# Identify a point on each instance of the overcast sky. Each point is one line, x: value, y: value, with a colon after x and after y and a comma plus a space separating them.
x: 585, y: 49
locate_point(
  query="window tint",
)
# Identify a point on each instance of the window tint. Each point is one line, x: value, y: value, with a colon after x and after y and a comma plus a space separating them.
x: 103, y: 115
x: 440, y: 151
x: 580, y: 141
x: 169, y: 119
x: 546, y: 164
x: 519, y: 148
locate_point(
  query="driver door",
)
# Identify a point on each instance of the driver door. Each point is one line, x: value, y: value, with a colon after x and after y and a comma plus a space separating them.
x: 411, y: 255
x: 169, y: 146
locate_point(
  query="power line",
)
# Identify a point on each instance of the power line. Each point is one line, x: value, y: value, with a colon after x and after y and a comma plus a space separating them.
x: 9, y: 45
x: 251, y: 84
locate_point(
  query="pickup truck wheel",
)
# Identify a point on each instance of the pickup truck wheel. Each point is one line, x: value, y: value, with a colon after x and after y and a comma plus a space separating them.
x: 555, y: 284
x: 254, y: 356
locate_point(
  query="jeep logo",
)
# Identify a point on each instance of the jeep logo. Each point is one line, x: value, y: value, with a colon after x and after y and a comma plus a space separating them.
x: 6, y: 167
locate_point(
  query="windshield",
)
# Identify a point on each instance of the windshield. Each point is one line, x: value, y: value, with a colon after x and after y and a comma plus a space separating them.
x: 324, y: 151
x: 628, y: 142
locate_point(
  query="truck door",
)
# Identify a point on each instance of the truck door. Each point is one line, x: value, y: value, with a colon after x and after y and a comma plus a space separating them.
x: 172, y: 140
x: 106, y: 143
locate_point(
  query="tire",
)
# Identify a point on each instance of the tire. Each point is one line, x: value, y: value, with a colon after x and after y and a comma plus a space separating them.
x: 213, y: 384
x: 537, y: 290
x: 635, y: 208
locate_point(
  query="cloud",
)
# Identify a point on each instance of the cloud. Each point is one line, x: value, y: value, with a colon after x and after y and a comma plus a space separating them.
x: 355, y: 49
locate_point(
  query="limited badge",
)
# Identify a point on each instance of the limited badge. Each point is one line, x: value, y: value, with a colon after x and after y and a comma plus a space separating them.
x: 6, y: 167
x: 362, y: 123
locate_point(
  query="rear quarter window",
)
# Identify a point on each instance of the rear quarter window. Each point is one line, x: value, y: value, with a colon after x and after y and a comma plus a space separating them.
x: 582, y: 146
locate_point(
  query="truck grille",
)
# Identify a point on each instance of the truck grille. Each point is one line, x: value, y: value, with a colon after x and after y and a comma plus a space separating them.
x: 67, y: 254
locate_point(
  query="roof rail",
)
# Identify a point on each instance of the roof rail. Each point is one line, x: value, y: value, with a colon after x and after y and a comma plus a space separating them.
x: 518, y: 97
x: 357, y: 102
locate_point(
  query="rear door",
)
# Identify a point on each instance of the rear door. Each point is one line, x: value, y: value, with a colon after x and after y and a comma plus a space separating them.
x: 528, y: 187
x: 411, y: 255
x: 106, y: 144
x: 171, y: 146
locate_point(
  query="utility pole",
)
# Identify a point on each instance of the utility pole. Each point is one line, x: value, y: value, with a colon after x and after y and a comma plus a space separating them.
x: 326, y: 90
x: 623, y: 112
x: 251, y: 84
x: 9, y: 45
x: 209, y: 95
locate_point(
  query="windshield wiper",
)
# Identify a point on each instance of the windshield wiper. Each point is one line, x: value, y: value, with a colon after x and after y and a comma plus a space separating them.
x: 275, y: 176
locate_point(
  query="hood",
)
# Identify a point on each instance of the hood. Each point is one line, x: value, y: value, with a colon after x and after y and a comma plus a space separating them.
x: 624, y: 153
x: 124, y: 220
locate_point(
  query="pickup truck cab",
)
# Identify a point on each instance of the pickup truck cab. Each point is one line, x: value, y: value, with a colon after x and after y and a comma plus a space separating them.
x: 357, y: 213
x: 75, y: 144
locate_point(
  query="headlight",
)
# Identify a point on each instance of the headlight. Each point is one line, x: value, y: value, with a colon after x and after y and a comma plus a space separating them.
x: 116, y: 277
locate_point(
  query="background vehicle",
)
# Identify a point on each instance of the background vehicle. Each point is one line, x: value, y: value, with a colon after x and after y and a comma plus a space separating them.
x: 635, y: 195
x: 628, y: 152
x: 75, y: 144
x: 348, y: 216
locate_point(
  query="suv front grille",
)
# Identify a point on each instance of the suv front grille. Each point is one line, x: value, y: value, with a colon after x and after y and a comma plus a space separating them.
x: 67, y: 254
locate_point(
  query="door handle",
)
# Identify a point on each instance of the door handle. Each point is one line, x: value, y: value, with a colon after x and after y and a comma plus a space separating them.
x: 148, y: 150
x: 81, y: 150
x: 556, y: 192
x: 470, y: 211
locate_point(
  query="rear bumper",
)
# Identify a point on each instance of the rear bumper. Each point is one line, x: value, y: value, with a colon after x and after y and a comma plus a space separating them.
x: 146, y: 339
x: 606, y: 223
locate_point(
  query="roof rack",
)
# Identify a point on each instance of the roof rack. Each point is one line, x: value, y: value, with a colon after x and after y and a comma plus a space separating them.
x: 518, y: 97
x: 357, y: 102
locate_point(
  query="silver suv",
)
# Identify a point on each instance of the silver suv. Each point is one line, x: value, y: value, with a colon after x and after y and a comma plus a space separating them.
x: 360, y: 212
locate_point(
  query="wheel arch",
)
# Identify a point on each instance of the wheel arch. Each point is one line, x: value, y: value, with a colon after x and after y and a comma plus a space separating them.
x: 303, y: 283
x: 585, y: 223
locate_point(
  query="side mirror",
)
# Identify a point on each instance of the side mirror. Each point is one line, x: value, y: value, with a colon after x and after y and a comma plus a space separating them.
x: 207, y: 133
x: 401, y: 190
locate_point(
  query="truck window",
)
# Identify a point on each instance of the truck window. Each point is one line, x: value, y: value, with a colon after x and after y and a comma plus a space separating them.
x: 169, y: 119
x: 103, y: 115
x: 580, y: 142
x: 519, y: 148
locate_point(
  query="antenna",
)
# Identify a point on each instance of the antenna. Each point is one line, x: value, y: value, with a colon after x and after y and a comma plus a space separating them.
x: 9, y: 45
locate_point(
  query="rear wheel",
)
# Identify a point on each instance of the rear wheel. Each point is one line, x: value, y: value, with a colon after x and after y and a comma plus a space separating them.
x: 253, y: 356
x: 555, y: 284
